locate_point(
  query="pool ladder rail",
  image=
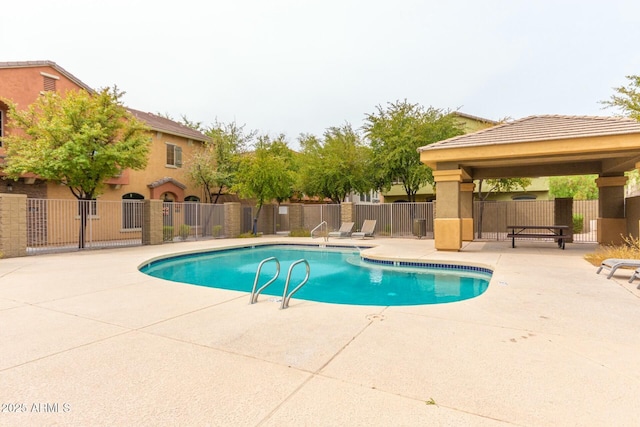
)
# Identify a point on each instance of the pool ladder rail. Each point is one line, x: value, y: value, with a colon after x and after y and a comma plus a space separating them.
x: 326, y: 230
x: 285, y: 297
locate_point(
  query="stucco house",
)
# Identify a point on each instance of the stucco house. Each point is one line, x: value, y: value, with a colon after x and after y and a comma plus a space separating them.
x: 164, y: 177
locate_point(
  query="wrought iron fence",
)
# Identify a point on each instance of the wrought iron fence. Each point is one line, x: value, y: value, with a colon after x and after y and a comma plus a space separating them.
x: 492, y: 217
x: 57, y: 225
x: 63, y: 225
x: 398, y: 219
x: 192, y: 221
x: 315, y: 214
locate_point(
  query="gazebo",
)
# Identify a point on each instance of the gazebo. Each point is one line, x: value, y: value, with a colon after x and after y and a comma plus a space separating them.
x: 535, y: 146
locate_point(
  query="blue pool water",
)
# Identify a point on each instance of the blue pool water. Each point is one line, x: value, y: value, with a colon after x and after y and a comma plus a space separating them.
x: 338, y: 275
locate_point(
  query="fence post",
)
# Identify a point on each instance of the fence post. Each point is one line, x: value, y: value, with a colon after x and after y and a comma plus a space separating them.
x: 296, y: 217
x: 232, y: 219
x: 346, y: 212
x: 152, y: 233
x: 13, y: 225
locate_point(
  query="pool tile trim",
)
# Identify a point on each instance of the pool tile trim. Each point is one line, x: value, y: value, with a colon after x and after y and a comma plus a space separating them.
x: 421, y: 264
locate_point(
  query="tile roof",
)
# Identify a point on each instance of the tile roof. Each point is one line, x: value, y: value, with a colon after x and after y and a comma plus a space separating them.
x: 541, y: 128
x: 162, y: 124
x: 154, y: 122
x: 31, y: 64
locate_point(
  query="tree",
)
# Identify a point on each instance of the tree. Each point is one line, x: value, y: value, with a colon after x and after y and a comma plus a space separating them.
x: 579, y: 187
x: 335, y: 167
x: 184, y: 120
x: 627, y: 98
x: 396, y: 132
x: 79, y: 140
x: 266, y: 173
x: 214, y: 166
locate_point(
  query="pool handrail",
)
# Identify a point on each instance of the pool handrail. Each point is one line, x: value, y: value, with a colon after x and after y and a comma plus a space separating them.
x: 326, y: 236
x: 285, y: 297
x: 254, y: 294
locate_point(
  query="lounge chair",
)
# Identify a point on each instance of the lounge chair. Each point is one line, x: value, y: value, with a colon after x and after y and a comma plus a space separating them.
x: 634, y: 276
x: 615, y: 263
x: 368, y: 227
x: 344, y: 231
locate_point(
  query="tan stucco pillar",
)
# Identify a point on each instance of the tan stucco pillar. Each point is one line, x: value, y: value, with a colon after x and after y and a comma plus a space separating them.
x: 346, y: 212
x: 232, y: 219
x: 466, y: 210
x: 152, y: 222
x: 296, y: 217
x: 13, y: 225
x: 612, y: 224
x: 447, y: 226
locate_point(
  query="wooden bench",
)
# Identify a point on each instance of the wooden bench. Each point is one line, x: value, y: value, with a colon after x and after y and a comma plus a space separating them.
x: 559, y: 233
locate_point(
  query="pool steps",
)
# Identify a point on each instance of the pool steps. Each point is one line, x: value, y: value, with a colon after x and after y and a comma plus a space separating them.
x: 285, y: 297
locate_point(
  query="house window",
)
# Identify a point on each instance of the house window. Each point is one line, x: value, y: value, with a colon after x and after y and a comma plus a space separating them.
x: 132, y: 208
x: 174, y: 156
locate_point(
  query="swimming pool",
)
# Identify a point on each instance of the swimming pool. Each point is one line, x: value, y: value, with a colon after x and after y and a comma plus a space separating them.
x: 338, y: 275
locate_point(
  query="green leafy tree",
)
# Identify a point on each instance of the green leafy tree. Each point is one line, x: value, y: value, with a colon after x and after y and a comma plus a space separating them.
x: 79, y: 140
x: 183, y: 120
x: 266, y: 174
x: 627, y: 101
x: 578, y: 187
x: 396, y: 132
x: 627, y: 98
x: 214, y: 166
x: 335, y: 167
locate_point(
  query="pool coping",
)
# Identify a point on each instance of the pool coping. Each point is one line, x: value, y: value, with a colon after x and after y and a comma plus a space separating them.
x: 366, y: 257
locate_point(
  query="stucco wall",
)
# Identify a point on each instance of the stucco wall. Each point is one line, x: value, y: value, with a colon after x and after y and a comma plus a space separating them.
x: 632, y: 208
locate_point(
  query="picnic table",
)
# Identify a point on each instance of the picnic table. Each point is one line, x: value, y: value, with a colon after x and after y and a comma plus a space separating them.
x: 559, y: 233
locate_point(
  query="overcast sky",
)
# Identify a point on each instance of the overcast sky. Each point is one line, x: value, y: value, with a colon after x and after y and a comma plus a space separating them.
x: 294, y: 66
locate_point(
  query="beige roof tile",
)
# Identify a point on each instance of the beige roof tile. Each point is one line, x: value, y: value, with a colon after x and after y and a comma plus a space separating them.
x: 541, y: 128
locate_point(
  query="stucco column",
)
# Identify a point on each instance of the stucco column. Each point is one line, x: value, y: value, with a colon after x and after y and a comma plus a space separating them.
x: 152, y: 222
x: 13, y: 225
x: 612, y: 224
x: 296, y: 216
x: 447, y: 226
x: 346, y: 212
x: 466, y: 210
x: 232, y: 218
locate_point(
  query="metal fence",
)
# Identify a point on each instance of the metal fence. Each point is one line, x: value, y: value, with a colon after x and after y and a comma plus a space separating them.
x: 398, y: 219
x: 192, y: 221
x: 57, y: 225
x: 492, y: 217
x: 313, y: 215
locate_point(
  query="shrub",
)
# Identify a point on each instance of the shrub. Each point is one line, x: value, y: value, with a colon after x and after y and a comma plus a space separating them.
x: 578, y: 223
x: 167, y: 233
x: 185, y: 231
x: 249, y: 234
x: 300, y: 232
x: 215, y: 231
x: 630, y: 249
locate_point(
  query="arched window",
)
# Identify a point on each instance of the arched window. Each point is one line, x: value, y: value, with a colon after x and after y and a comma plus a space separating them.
x: 132, y: 208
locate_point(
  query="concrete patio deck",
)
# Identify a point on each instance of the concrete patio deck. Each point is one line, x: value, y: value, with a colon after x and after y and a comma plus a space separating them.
x: 86, y: 339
